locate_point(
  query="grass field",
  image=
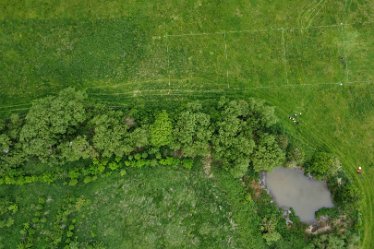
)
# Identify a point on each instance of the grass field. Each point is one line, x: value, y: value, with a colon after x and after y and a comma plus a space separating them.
x: 314, y: 57
x: 185, y: 210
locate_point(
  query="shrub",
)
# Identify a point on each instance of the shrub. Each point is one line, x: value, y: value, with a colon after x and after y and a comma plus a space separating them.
x: 323, y: 165
x: 187, y: 163
x: 113, y: 166
x: 330, y: 212
x: 73, y: 182
x: 123, y: 172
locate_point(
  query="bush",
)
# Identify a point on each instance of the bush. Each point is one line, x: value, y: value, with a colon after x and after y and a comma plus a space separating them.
x: 187, y: 163
x: 113, y: 166
x: 294, y: 156
x: 73, y: 182
x: 330, y: 212
x: 323, y: 165
x: 123, y: 172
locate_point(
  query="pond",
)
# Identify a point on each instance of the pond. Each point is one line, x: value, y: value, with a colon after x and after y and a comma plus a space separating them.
x: 289, y: 187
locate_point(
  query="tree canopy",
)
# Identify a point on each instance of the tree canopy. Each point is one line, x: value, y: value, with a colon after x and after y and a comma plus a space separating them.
x: 50, y: 120
x: 323, y: 165
x: 192, y: 132
x: 267, y: 154
x: 161, y: 130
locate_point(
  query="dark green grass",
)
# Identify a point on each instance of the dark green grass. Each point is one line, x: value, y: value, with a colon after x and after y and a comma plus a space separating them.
x: 27, y: 199
x: 148, y: 208
x: 168, y: 208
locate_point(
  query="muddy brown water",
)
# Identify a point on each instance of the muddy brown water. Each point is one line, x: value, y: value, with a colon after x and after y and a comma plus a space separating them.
x: 289, y: 187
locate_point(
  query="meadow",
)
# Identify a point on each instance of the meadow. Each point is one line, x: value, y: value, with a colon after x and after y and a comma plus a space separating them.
x: 313, y: 57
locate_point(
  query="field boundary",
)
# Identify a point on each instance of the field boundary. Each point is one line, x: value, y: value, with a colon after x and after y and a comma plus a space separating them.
x: 180, y: 92
x: 262, y: 30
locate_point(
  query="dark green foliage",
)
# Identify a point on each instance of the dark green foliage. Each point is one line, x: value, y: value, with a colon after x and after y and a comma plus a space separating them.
x: 233, y: 142
x: 67, y: 128
x: 192, y: 132
x: 4, y: 143
x: 267, y: 154
x: 343, y: 191
x: 7, y: 211
x: 329, y: 241
x: 283, y: 141
x: 92, y: 142
x: 268, y: 229
x: 77, y: 149
x: 323, y: 165
x: 261, y: 116
x: 330, y: 212
x: 2, y: 124
x: 294, y: 156
x: 111, y: 136
x: 50, y: 121
x: 139, y: 138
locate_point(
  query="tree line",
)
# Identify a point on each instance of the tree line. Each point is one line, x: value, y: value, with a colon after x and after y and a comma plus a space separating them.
x: 62, y: 130
x: 73, y: 138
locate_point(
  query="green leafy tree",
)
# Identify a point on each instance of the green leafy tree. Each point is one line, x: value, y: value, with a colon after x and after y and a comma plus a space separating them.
x: 329, y: 241
x: 267, y: 154
x: 111, y: 136
x: 268, y: 229
x: 139, y: 137
x: 261, y: 116
x: 233, y: 141
x: 192, y: 132
x: 283, y: 142
x: 294, y: 156
x: 161, y: 130
x: 78, y: 148
x: 323, y: 165
x: 2, y: 124
x: 4, y: 143
x: 50, y: 120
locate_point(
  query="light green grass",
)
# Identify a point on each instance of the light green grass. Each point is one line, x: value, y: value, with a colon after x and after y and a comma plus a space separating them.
x: 293, y: 54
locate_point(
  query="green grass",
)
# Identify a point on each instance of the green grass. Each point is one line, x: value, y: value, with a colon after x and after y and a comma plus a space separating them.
x: 183, y: 210
x: 293, y: 54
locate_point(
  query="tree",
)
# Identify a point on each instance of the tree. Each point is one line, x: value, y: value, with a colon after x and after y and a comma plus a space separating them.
x: 161, y: 130
x: 282, y: 140
x: 2, y: 124
x: 295, y: 156
x: 233, y: 141
x: 139, y: 137
x: 78, y: 148
x: 15, y: 120
x: 329, y: 241
x: 261, y: 116
x: 4, y: 144
x: 50, y: 120
x: 268, y: 229
x: 323, y: 165
x: 192, y: 132
x: 267, y: 154
x: 111, y: 136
